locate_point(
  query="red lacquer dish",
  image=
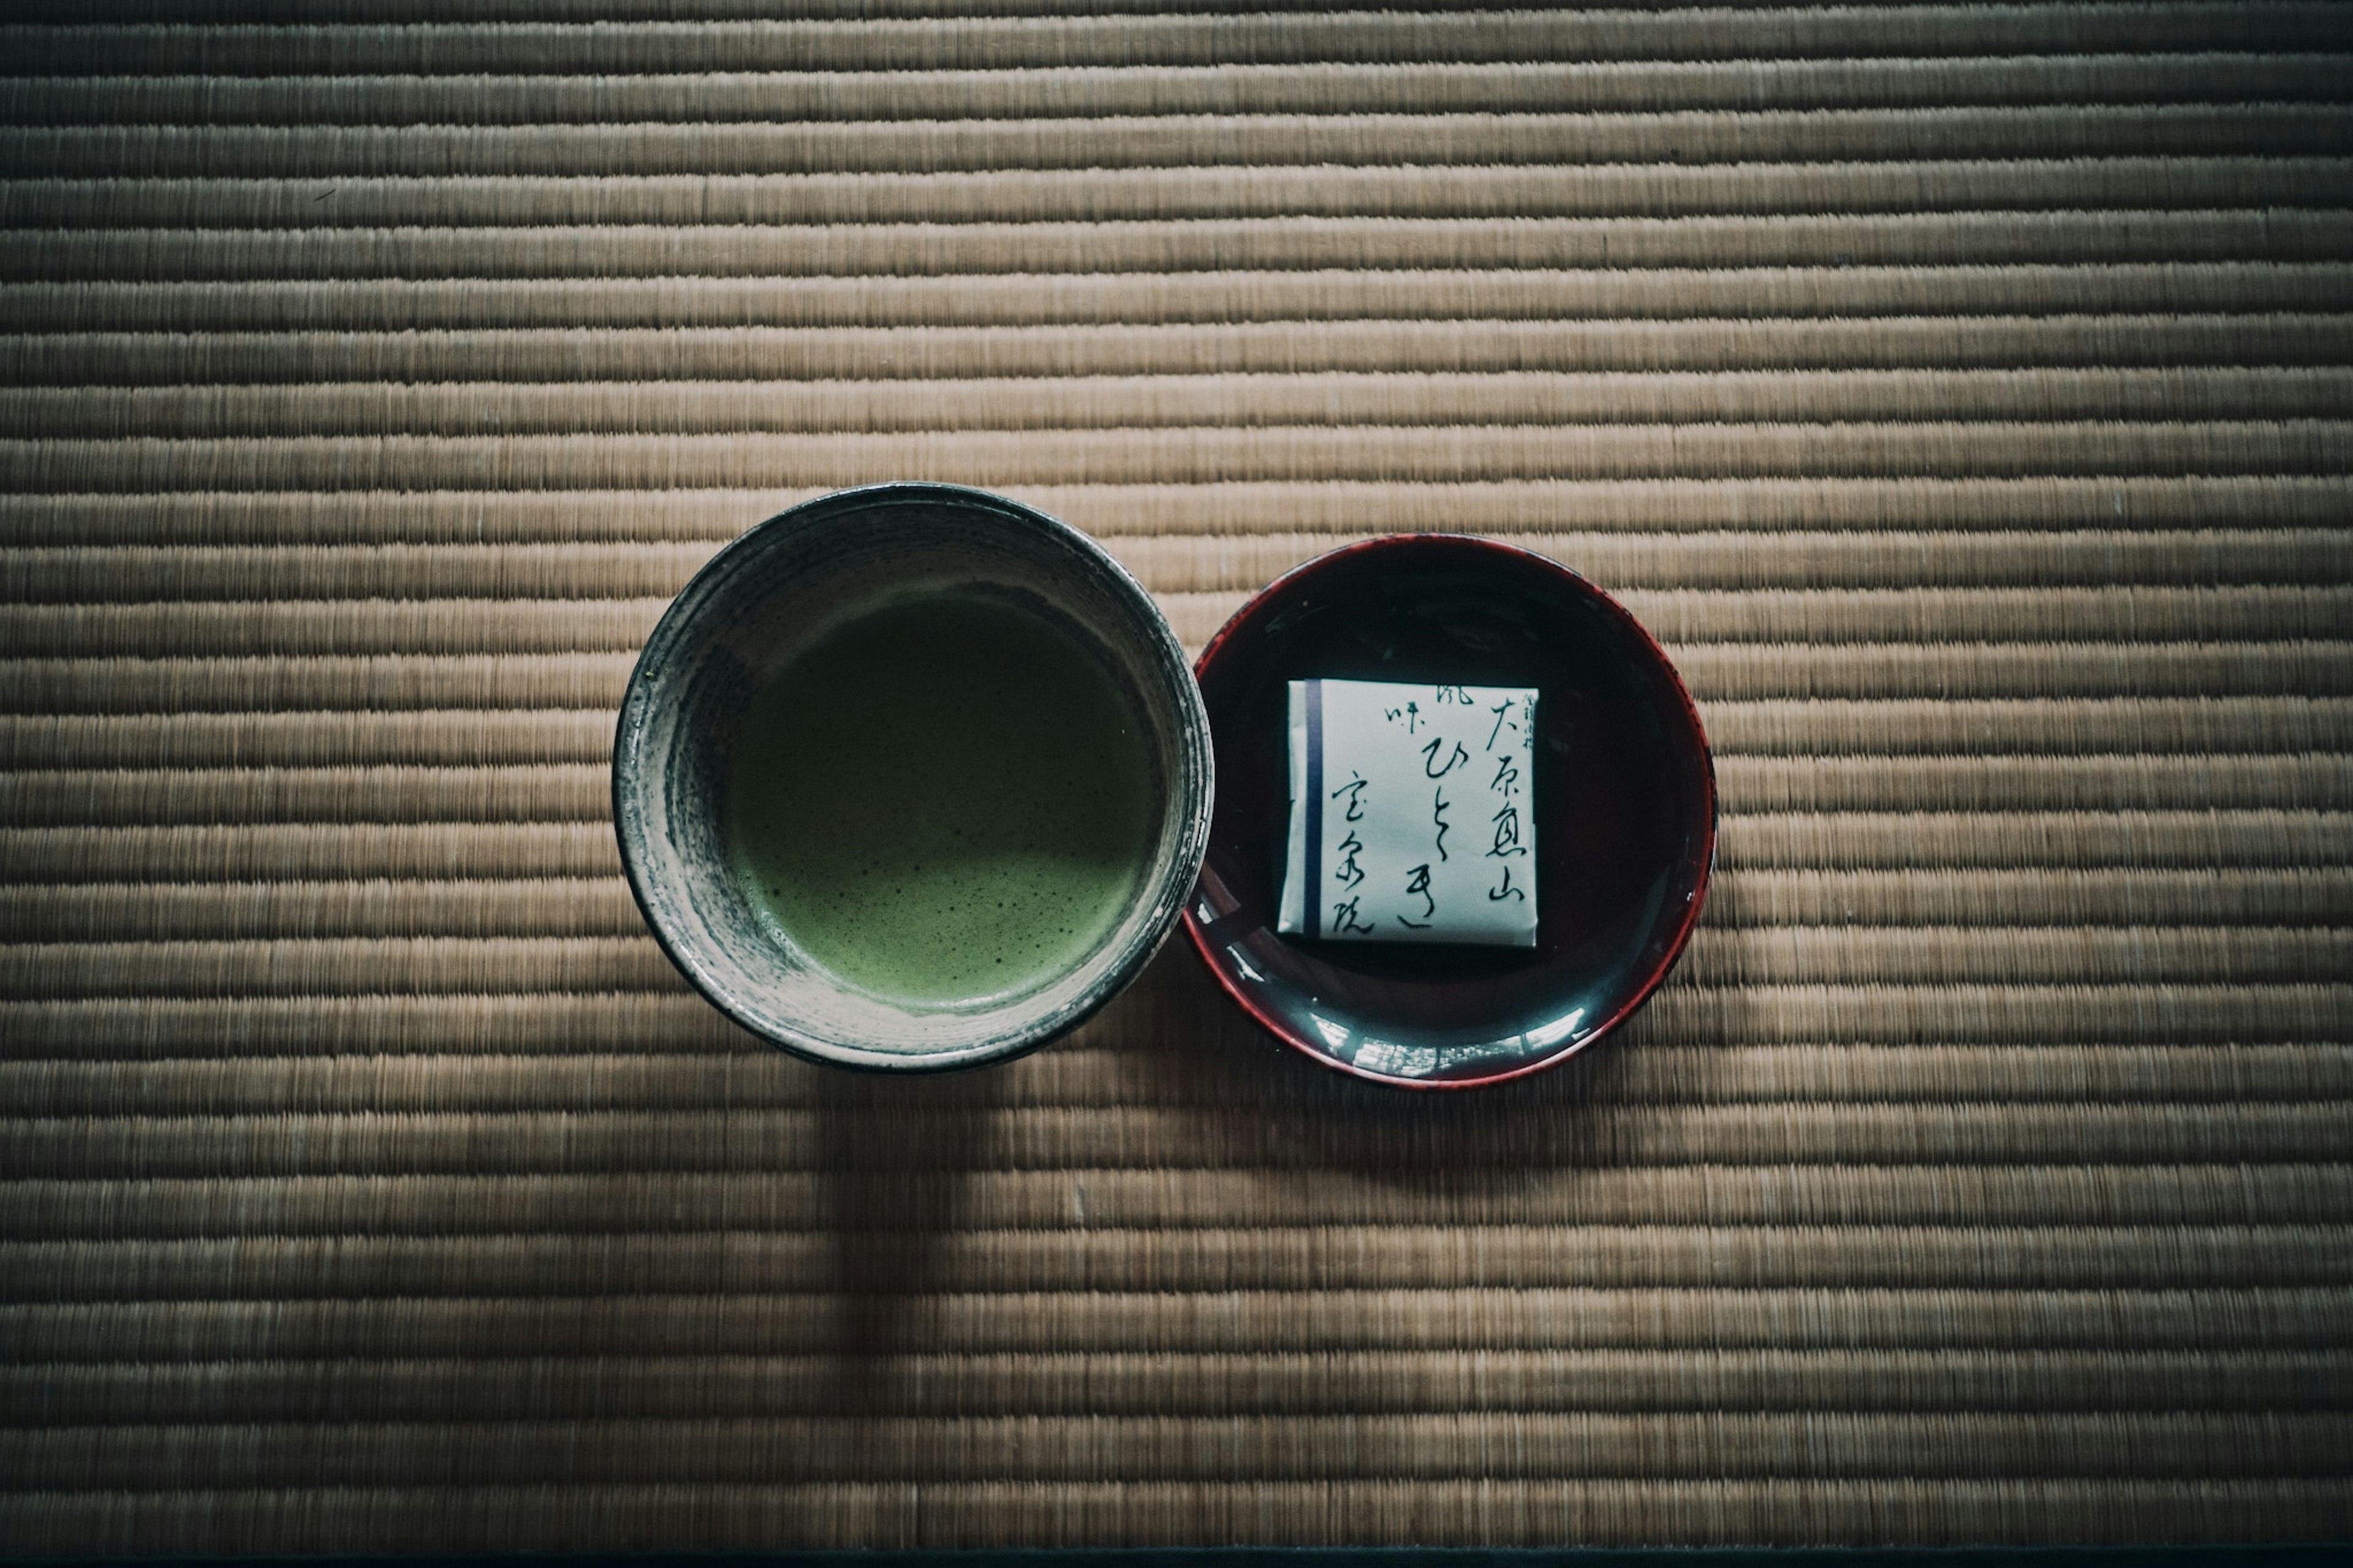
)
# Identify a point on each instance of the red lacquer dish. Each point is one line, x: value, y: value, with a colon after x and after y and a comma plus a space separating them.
x: 1624, y: 811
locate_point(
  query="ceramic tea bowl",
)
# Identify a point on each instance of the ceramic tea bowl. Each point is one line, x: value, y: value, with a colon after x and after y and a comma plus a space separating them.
x: 770, y: 596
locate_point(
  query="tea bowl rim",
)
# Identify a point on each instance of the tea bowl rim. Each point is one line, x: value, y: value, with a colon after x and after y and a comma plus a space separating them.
x: 1168, y: 894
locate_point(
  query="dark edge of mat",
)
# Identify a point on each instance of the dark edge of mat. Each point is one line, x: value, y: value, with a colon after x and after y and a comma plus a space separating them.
x: 2251, y: 1555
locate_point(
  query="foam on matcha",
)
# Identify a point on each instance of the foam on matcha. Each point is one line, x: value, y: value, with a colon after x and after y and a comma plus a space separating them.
x: 944, y: 800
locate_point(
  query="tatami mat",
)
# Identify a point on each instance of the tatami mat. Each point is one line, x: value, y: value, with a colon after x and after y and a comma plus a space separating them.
x: 1965, y: 392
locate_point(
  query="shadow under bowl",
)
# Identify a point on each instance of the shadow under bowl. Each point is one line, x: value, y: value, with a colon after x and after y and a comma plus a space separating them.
x: 1624, y: 813
x: 774, y: 592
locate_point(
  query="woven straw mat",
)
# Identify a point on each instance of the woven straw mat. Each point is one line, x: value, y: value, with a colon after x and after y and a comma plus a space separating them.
x: 1961, y: 391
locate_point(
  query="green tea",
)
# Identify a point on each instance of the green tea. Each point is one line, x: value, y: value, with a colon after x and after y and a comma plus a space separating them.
x: 945, y: 800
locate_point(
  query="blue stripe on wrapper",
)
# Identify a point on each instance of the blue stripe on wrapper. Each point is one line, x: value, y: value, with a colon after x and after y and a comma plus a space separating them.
x: 1311, y: 901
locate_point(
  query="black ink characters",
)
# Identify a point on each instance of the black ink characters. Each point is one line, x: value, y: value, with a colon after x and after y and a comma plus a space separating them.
x: 1416, y: 885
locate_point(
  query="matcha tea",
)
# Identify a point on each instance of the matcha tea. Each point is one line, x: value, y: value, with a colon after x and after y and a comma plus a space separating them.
x: 941, y: 801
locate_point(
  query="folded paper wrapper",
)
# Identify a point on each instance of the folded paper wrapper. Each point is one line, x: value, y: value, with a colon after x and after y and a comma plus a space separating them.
x: 1410, y: 815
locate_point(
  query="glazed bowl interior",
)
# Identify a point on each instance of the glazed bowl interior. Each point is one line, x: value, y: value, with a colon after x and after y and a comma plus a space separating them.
x: 774, y: 593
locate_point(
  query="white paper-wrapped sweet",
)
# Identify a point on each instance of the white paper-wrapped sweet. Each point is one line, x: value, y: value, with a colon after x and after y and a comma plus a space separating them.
x: 1410, y: 815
